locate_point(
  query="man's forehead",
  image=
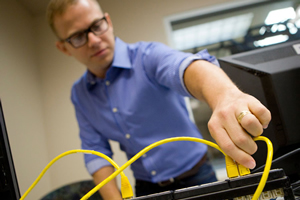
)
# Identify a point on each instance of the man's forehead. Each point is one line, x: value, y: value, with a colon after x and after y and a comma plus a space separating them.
x: 76, y: 17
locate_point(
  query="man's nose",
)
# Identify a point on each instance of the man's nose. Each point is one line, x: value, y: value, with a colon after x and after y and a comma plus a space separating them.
x: 93, y: 39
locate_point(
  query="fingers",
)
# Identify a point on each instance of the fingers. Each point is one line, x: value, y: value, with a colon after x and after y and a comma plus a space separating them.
x: 260, y: 112
x: 241, y: 138
x: 231, y: 145
x: 257, y: 118
x: 251, y: 124
x: 227, y: 121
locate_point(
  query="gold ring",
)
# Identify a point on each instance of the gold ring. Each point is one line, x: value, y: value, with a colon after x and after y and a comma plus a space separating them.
x: 242, y: 114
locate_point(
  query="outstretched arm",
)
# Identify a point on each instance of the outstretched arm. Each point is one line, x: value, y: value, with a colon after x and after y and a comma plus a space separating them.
x: 208, y: 82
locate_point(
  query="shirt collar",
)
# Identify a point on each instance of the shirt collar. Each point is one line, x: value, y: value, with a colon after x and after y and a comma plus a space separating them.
x: 121, y: 60
x: 121, y: 56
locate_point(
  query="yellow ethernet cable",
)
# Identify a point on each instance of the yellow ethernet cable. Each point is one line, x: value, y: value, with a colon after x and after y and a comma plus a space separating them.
x: 231, y: 167
x: 235, y: 169
x: 256, y: 195
x: 243, y: 170
x: 124, y: 179
x: 142, y: 152
x: 265, y: 174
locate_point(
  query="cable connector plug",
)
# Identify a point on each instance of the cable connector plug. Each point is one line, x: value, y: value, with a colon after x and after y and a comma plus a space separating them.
x: 231, y: 167
x: 243, y: 170
x: 126, y: 188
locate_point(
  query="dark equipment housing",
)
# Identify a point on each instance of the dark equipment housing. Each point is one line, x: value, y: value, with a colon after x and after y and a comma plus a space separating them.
x: 272, y: 75
x: 9, y: 189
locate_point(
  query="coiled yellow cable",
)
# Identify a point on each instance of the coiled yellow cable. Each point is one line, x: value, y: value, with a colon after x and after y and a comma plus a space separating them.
x: 142, y: 152
x: 68, y: 153
x: 256, y: 195
x: 119, y: 170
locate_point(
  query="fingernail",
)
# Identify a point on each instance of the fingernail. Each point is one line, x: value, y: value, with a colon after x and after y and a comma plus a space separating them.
x: 265, y: 126
x: 251, y: 164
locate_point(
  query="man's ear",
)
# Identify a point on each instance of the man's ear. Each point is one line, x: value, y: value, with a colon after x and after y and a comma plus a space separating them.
x: 61, y: 46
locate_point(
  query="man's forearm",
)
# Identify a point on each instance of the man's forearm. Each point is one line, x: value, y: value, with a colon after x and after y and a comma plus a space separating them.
x: 207, y: 82
x: 110, y: 190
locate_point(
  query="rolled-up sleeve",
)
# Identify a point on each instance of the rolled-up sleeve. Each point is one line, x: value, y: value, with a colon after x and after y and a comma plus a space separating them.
x: 201, y: 55
x: 166, y: 66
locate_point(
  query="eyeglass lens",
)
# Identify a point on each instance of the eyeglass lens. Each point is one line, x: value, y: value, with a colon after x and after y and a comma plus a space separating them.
x: 98, y: 28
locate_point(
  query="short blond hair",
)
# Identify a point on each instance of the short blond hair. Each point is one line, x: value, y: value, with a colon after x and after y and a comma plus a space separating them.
x: 58, y: 7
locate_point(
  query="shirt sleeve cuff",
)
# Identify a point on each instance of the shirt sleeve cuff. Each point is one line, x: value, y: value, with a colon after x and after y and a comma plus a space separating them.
x: 202, y: 55
x: 96, y: 164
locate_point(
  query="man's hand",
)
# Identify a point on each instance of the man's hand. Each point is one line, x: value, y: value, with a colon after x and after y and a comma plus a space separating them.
x: 208, y: 82
x: 234, y: 137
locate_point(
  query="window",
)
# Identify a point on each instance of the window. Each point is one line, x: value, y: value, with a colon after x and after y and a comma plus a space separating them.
x: 237, y: 27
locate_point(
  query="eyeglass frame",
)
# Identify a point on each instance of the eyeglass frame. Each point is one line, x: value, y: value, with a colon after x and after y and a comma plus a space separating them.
x: 86, y: 31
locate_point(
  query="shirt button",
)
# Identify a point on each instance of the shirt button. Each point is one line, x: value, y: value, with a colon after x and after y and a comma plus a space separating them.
x: 115, y: 110
x: 127, y: 135
x: 145, y: 155
x: 107, y: 83
x: 153, y: 173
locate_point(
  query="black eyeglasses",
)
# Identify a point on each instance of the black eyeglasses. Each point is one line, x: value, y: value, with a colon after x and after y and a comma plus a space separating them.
x: 79, y: 39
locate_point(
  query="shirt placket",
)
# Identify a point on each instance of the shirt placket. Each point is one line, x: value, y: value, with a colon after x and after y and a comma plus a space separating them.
x: 116, y: 112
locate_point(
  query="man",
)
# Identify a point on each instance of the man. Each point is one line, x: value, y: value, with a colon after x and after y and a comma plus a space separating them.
x: 133, y: 93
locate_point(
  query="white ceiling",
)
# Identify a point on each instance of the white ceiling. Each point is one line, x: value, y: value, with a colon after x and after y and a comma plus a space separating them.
x: 35, y: 7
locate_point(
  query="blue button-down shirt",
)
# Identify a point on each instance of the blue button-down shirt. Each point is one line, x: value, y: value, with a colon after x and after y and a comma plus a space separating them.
x: 139, y: 102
